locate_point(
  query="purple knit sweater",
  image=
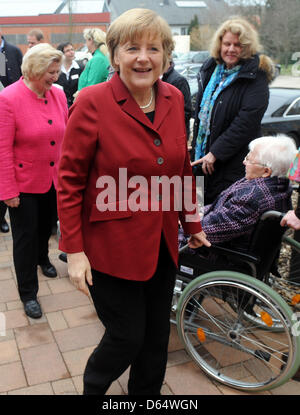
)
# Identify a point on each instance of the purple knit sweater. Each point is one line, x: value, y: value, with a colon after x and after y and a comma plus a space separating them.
x: 234, y: 214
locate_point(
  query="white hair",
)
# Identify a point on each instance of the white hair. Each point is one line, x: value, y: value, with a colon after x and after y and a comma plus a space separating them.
x: 276, y: 152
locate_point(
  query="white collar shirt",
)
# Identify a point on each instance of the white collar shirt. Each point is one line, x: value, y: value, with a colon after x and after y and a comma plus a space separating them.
x: 67, y: 72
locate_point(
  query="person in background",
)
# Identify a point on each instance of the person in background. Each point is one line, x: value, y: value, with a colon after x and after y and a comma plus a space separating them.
x: 231, y: 218
x: 33, y: 116
x: 96, y: 69
x: 173, y: 77
x: 232, y: 98
x: 13, y: 60
x: 34, y: 37
x: 125, y: 257
x: 70, y: 71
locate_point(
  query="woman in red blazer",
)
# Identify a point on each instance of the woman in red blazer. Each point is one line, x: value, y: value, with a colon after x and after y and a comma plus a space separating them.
x: 124, y: 138
x: 33, y: 116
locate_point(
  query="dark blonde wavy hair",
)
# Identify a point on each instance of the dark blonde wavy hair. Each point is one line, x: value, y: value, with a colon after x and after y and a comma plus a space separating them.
x: 248, y: 38
x: 134, y: 23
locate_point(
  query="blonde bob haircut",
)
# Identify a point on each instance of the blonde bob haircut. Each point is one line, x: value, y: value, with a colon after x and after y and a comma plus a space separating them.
x: 133, y: 24
x: 248, y: 38
x: 37, y: 60
x: 98, y: 37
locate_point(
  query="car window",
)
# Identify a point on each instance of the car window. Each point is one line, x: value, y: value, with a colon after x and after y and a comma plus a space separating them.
x: 295, y: 109
x: 200, y: 57
x: 277, y: 105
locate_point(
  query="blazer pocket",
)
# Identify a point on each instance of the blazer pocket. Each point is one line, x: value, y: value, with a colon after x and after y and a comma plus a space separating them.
x: 112, y: 211
x: 22, y: 169
x: 181, y: 141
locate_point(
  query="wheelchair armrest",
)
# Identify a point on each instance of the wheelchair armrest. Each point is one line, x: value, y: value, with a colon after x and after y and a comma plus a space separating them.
x: 236, y: 255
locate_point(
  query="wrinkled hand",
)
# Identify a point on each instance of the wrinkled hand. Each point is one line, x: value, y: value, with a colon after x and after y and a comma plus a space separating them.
x: 79, y: 271
x: 207, y: 163
x: 291, y: 220
x: 198, y: 239
x: 14, y: 202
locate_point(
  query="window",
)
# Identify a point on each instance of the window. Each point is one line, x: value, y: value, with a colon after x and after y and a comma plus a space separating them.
x: 295, y: 109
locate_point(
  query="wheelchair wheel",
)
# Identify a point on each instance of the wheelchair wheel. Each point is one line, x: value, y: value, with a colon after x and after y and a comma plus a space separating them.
x: 228, y: 347
x: 254, y: 315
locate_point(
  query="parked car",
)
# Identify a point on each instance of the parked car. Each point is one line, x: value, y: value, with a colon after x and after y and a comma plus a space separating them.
x: 193, y: 84
x: 188, y: 64
x: 189, y: 71
x: 82, y: 56
x: 194, y: 56
x: 277, y: 70
x: 283, y: 113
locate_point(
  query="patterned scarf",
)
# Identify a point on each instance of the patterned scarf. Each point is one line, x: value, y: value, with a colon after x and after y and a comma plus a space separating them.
x: 219, y: 80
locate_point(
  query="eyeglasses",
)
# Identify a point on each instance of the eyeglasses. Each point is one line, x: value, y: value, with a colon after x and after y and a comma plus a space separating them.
x: 247, y: 161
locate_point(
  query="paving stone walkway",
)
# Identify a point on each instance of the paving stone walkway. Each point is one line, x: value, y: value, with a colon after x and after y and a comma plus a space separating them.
x: 48, y: 356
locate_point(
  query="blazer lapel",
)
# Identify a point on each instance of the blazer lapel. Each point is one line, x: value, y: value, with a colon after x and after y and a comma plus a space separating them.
x: 126, y: 101
x: 128, y: 104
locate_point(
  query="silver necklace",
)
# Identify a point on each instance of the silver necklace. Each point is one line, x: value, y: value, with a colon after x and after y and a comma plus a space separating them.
x: 149, y: 103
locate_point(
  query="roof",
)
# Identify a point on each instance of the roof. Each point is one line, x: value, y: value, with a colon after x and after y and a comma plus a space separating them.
x: 175, y: 12
x: 38, y: 7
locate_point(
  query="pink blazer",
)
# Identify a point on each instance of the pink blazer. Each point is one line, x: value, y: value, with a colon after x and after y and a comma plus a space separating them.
x: 107, y: 131
x: 31, y: 134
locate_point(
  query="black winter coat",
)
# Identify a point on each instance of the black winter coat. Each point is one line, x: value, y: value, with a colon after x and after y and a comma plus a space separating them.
x: 235, y: 121
x: 180, y: 82
x: 70, y: 85
x: 13, y: 62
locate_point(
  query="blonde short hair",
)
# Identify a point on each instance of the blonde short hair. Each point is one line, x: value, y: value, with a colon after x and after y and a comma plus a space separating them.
x: 98, y: 37
x: 248, y: 38
x: 37, y: 60
x: 133, y: 24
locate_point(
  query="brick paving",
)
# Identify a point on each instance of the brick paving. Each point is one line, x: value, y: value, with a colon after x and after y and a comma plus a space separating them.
x: 48, y: 356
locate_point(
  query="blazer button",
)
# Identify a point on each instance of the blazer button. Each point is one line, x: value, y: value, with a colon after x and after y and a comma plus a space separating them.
x: 20, y: 165
x: 50, y: 122
x: 157, y: 142
x: 52, y: 143
x: 51, y: 163
x: 160, y: 160
x: 46, y: 102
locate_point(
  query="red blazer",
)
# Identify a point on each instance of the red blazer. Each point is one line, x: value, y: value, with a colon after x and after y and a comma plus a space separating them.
x: 31, y: 133
x: 107, y: 131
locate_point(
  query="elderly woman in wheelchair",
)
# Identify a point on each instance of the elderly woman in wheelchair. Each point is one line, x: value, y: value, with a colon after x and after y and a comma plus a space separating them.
x: 232, y: 323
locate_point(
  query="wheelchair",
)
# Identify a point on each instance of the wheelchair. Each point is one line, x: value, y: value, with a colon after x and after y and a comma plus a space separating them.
x: 230, y: 318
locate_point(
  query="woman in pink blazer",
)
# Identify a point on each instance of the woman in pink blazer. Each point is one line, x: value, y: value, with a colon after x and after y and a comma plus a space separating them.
x: 125, y: 139
x: 33, y: 117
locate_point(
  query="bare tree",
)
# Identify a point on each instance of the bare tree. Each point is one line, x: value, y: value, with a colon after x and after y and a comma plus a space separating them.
x: 70, y: 11
x: 280, y: 29
x: 277, y: 22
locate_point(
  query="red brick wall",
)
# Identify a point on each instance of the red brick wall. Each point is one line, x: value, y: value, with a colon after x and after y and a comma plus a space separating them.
x: 53, y: 24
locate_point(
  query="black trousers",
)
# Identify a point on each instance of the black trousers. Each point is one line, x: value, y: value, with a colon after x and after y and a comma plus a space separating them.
x: 136, y: 316
x: 31, y: 229
x: 3, y: 208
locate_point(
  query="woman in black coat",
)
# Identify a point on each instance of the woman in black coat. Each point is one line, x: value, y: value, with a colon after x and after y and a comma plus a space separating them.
x: 70, y: 72
x: 232, y: 98
x: 174, y: 78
